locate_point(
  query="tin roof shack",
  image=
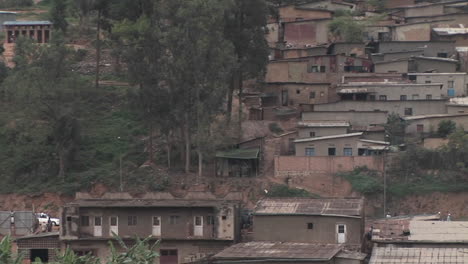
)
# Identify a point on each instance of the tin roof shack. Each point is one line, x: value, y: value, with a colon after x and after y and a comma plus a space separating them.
x: 418, y: 31
x: 296, y: 94
x: 315, y: 69
x: 41, y: 246
x: 243, y: 161
x: 455, y: 84
x: 403, y: 108
x: 189, y: 229
x: 424, y: 9
x: 6, y: 16
x: 290, y: 13
x: 330, y: 5
x: 443, y: 20
x: 390, y: 91
x: 304, y: 33
x: 444, y: 49
x: 352, y: 49
x: 354, y: 118
x: 351, y: 144
x: 40, y: 31
x: 457, y: 34
x: 428, y: 124
x: 307, y: 220
x: 417, y: 64
x: 396, y: 55
x: 282, y: 252
x: 311, y: 129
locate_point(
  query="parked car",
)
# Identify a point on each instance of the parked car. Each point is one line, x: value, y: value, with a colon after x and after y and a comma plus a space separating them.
x: 44, y: 218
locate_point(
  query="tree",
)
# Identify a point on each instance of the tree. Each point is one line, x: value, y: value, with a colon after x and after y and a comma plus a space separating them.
x: 395, y: 129
x: 345, y: 28
x: 446, y: 127
x: 57, y: 14
x: 245, y: 28
x: 6, y: 255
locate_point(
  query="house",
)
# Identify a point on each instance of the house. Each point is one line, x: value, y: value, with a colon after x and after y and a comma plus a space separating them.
x: 455, y: 84
x: 351, y: 49
x: 310, y: 129
x: 373, y: 77
x: 443, y: 20
x: 290, y: 13
x: 308, y: 220
x: 281, y: 252
x: 396, y: 55
x: 188, y: 229
x: 354, y: 118
x: 6, y: 16
x: 418, y: 241
x: 243, y: 161
x: 297, y: 94
x: 457, y: 34
x: 43, y: 246
x: 403, y: 108
x: 416, y: 31
x: 315, y: 69
x: 350, y: 144
x: 40, y: 31
x: 417, y: 64
x: 330, y: 5
x: 443, y: 49
x: 382, y: 91
x: 304, y: 33
x: 300, y: 52
x: 426, y: 124
x: 457, y: 105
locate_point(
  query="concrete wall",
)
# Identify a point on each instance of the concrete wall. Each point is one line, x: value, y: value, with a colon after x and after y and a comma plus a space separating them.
x: 303, y: 33
x: 394, y: 92
x: 310, y: 166
x: 431, y: 49
x: 457, y: 109
x: 420, y: 107
x: 273, y: 33
x: 446, y: 19
x: 291, y: 13
x: 423, y: 65
x: 358, y: 49
x: 354, y: 118
x: 395, y: 56
x: 294, y: 229
x: 459, y: 81
x: 432, y: 124
x: 298, y: 94
x: 394, y: 67
x: 304, y: 132
x: 321, y: 146
x: 430, y: 10
x: 412, y: 32
x: 299, y: 53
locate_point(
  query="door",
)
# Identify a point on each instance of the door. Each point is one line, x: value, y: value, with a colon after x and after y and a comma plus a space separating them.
x: 98, y: 226
x: 157, y: 226
x: 114, y: 225
x: 168, y: 256
x: 341, y: 233
x: 198, y: 227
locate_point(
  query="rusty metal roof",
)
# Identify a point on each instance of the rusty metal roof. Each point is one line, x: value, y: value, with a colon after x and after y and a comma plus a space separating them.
x: 346, y: 207
x: 323, y: 124
x: 147, y: 203
x: 279, y: 250
x: 388, y: 255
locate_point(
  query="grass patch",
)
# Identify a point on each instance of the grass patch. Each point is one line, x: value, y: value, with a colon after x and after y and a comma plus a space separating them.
x: 279, y: 190
x: 363, y: 180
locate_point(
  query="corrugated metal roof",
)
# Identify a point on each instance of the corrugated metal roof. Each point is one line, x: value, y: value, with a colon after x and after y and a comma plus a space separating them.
x: 245, y: 154
x: 279, y: 250
x: 21, y: 23
x: 389, y: 255
x: 440, y: 231
x: 328, y: 137
x: 353, y: 91
x: 308, y: 206
x: 323, y: 124
x: 145, y: 203
x: 375, y: 142
x: 451, y: 31
x: 419, y: 117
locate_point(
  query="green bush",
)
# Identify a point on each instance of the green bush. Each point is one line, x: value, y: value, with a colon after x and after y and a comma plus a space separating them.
x: 279, y: 190
x: 15, y: 3
x: 363, y: 180
x: 275, y: 128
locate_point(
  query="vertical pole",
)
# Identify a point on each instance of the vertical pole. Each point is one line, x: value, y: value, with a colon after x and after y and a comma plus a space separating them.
x: 121, y: 178
x: 385, y: 183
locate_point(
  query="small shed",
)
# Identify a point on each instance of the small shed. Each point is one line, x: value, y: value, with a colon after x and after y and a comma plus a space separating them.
x: 238, y: 162
x: 41, y: 246
x: 40, y: 31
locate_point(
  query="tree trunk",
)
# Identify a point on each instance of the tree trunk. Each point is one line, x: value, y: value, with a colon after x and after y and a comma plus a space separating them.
x: 61, y: 157
x: 150, y: 147
x: 200, y: 163
x: 240, y: 86
x: 98, y: 48
x: 169, y: 150
x: 229, y: 98
x: 187, y: 143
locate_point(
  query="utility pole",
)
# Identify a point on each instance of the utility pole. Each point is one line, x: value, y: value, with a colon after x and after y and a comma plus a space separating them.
x: 385, y: 183
x: 120, y: 168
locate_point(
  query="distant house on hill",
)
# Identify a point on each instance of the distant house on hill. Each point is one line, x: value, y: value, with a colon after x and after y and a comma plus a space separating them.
x: 39, y: 31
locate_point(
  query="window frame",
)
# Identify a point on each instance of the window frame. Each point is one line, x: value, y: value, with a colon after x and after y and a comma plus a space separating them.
x: 309, y: 152
x: 132, y: 220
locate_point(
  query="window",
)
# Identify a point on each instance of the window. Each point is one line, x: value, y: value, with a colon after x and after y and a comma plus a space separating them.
x: 442, y: 55
x: 69, y: 218
x: 347, y: 152
x: 113, y: 221
x: 84, y: 220
x: 174, y: 219
x: 403, y: 97
x: 408, y: 111
x: 224, y: 217
x: 428, y: 96
x: 311, y: 95
x: 132, y: 220
x: 210, y: 220
x: 298, y: 91
x: 97, y: 221
x: 166, y: 252
x: 450, y: 84
x: 310, y: 225
x: 412, y: 77
x: 420, y: 128
x: 312, y: 134
x: 415, y: 96
x: 331, y: 151
x: 428, y: 81
x: 310, y: 152
x: 316, y: 68
x: 341, y: 229
x: 156, y: 221
x: 383, y: 98
x: 352, y: 68
x: 372, y: 97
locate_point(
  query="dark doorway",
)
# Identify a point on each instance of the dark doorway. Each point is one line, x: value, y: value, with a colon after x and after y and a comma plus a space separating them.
x: 168, y: 256
x: 42, y: 254
x: 331, y: 151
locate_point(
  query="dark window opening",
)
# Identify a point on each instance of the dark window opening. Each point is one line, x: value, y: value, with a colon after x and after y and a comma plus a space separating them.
x: 84, y: 220
x: 316, y: 68
x: 352, y: 68
x: 210, y: 220
x: 331, y: 151
x: 312, y: 134
x: 113, y: 221
x: 428, y: 81
x: 39, y: 37
x: 412, y: 77
x: 428, y: 96
x: 403, y: 97
x: 408, y: 111
x: 69, y: 218
x: 361, y: 97
x: 310, y: 225
x: 372, y: 97
x: 224, y: 217
x: 132, y: 220
x: 31, y: 34
x: 46, y: 36
x: 311, y: 95
x: 383, y: 98
x: 97, y: 221
x: 174, y: 219
x: 442, y: 55
x: 298, y: 91
x: 42, y: 254
x: 156, y: 221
